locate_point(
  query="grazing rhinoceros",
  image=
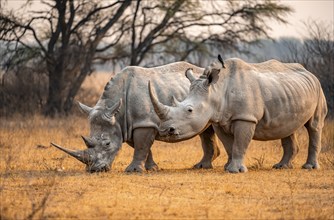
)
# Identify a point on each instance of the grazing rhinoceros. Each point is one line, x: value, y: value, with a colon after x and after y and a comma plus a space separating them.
x: 243, y: 101
x: 125, y: 113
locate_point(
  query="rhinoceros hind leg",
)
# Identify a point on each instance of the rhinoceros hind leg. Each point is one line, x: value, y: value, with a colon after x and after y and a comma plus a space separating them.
x: 313, y: 148
x: 243, y: 132
x: 143, y: 139
x: 290, y: 150
x: 210, y: 149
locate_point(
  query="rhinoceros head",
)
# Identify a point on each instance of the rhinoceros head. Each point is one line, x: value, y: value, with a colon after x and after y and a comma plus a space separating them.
x: 105, y: 138
x: 190, y: 117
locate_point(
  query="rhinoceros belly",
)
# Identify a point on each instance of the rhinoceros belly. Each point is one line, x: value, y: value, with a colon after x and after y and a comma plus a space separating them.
x: 284, y: 114
x: 280, y: 127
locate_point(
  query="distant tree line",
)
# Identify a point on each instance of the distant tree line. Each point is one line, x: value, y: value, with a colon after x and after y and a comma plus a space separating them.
x: 50, y: 52
x: 64, y: 39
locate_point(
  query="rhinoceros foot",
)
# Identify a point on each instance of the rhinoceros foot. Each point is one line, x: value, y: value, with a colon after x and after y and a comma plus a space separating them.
x: 151, y: 167
x: 226, y: 164
x: 135, y: 168
x: 283, y: 166
x: 236, y: 167
x: 310, y: 166
x: 203, y: 165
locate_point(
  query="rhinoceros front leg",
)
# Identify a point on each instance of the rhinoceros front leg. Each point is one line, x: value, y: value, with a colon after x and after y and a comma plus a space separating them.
x: 243, y: 133
x: 143, y: 139
x: 210, y: 149
x: 227, y: 141
x: 290, y: 150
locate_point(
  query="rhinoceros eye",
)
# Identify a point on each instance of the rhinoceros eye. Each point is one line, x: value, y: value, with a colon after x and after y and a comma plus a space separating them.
x: 108, y: 143
x: 190, y: 110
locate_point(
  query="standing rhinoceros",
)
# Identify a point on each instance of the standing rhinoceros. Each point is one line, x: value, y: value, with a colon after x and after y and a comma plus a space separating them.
x: 125, y: 113
x: 243, y: 101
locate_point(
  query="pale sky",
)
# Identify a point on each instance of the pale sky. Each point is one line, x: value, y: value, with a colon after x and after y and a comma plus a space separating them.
x: 320, y: 10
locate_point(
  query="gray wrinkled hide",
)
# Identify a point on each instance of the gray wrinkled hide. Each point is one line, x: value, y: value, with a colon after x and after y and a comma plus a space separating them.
x: 136, y: 122
x: 243, y: 101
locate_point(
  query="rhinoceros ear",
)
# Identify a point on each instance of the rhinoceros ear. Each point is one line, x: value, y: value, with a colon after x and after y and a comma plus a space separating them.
x: 110, y: 113
x: 213, y: 76
x: 86, y: 109
x: 115, y: 108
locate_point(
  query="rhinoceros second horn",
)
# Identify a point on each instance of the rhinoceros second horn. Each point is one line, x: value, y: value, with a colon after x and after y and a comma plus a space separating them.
x: 88, y: 141
x: 190, y: 75
x: 86, y: 109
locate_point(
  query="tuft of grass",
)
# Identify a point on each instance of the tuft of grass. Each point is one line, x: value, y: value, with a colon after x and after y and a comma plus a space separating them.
x: 39, y: 204
x: 259, y: 163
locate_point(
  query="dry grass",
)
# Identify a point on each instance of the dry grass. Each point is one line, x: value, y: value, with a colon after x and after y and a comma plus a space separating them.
x: 37, y: 181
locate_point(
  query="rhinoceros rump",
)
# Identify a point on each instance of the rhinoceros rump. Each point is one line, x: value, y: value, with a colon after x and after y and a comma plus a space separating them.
x: 124, y: 113
x: 243, y: 101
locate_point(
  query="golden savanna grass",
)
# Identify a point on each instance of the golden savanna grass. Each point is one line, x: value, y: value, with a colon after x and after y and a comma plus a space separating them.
x: 38, y: 181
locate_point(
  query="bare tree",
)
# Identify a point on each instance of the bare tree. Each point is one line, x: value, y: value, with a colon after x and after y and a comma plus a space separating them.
x: 66, y: 34
x: 181, y: 27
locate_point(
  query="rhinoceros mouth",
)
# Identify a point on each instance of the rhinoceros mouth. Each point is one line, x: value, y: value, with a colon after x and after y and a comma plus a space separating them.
x: 167, y: 137
x: 98, y: 168
x: 166, y: 133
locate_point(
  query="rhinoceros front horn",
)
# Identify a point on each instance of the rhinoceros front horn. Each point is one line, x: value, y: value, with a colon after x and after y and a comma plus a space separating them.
x: 159, y: 108
x: 82, y: 156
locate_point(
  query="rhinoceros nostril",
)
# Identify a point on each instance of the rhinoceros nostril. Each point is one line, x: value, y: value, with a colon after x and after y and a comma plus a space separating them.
x: 171, y: 130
